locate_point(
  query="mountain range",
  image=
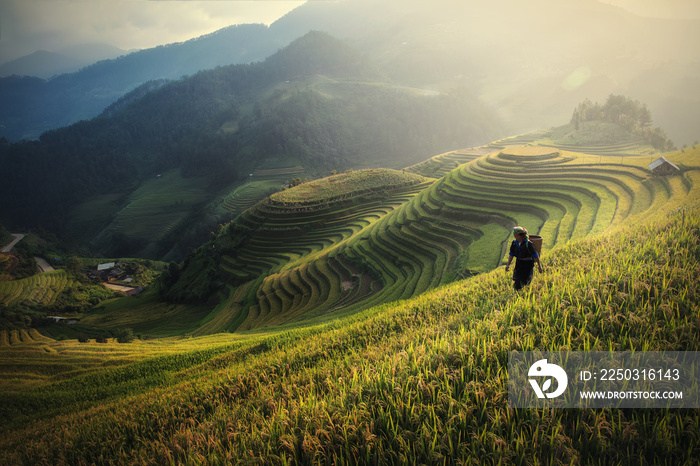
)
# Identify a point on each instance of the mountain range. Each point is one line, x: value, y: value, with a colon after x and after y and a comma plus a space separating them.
x: 45, y: 65
x: 329, y: 223
x: 30, y: 105
x: 530, y: 61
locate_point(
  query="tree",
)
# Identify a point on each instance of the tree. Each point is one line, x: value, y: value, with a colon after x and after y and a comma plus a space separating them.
x: 124, y: 335
x: 644, y: 117
x: 630, y: 114
x: 74, y: 265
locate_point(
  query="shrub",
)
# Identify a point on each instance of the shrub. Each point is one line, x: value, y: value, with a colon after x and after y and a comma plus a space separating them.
x: 125, y: 335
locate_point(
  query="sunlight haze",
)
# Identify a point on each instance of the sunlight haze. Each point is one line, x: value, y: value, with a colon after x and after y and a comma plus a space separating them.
x: 671, y: 9
x: 30, y: 25
x: 521, y: 57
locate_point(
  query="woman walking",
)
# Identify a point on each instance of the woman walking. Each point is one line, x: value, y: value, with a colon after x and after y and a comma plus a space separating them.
x: 526, y: 257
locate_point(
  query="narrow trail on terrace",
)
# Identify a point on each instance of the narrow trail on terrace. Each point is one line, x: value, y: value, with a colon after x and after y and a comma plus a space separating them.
x: 18, y: 237
x: 40, y: 261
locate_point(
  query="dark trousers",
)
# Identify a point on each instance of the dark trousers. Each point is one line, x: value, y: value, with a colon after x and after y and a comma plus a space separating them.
x: 522, y: 274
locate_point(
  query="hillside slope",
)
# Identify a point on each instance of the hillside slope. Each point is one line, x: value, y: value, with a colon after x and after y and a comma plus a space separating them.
x: 420, y: 381
x: 313, y: 107
x: 33, y: 106
x: 303, y: 262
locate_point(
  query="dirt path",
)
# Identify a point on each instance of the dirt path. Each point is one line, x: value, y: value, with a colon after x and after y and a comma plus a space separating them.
x: 40, y: 261
x: 43, y: 265
x: 18, y: 238
x: 117, y: 287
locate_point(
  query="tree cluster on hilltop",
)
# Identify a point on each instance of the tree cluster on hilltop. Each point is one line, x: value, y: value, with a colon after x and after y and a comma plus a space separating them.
x: 627, y: 113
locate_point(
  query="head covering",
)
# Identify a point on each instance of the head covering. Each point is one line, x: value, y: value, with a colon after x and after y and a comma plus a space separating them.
x: 520, y: 230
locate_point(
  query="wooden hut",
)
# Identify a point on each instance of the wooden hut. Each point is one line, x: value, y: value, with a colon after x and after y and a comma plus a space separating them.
x: 662, y: 167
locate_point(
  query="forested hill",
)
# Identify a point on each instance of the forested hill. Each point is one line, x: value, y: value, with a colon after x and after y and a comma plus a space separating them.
x: 29, y: 106
x: 529, y: 59
x: 316, y: 104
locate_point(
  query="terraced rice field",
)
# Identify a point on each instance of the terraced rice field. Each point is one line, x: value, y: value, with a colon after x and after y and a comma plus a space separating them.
x: 423, y: 381
x: 28, y: 359
x: 292, y: 242
x: 245, y: 196
x: 158, y: 206
x: 86, y: 219
x: 262, y: 183
x: 322, y: 285
x: 37, y: 289
x: 441, y: 165
x: 471, y: 211
x: 628, y: 148
x: 455, y: 227
x: 631, y: 147
x: 285, y: 233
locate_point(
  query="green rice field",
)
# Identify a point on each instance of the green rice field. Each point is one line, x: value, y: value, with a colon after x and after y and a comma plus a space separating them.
x: 420, y: 381
x: 375, y: 327
x: 455, y: 227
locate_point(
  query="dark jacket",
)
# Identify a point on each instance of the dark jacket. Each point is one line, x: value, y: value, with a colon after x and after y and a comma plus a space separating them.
x: 523, y: 251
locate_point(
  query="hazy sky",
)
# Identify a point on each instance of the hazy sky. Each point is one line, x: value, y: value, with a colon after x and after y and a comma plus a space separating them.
x: 678, y: 9
x: 30, y: 25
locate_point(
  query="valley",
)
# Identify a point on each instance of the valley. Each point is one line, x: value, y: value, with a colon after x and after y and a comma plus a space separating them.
x: 421, y: 379
x: 167, y: 163
x: 295, y: 254
x: 299, y: 259
x: 331, y: 247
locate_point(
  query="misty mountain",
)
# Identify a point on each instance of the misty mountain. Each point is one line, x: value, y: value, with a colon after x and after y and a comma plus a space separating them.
x: 41, y: 64
x: 91, y: 53
x: 29, y: 106
x: 317, y: 104
x: 44, y: 64
x: 530, y: 61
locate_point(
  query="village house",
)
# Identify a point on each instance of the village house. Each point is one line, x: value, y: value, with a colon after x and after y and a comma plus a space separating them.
x: 662, y: 167
x: 106, y: 266
x: 64, y: 320
x: 133, y: 291
x: 119, y: 272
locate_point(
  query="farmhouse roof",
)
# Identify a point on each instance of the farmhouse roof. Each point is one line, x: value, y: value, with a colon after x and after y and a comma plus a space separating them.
x: 134, y: 291
x: 661, y: 161
x: 106, y: 266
